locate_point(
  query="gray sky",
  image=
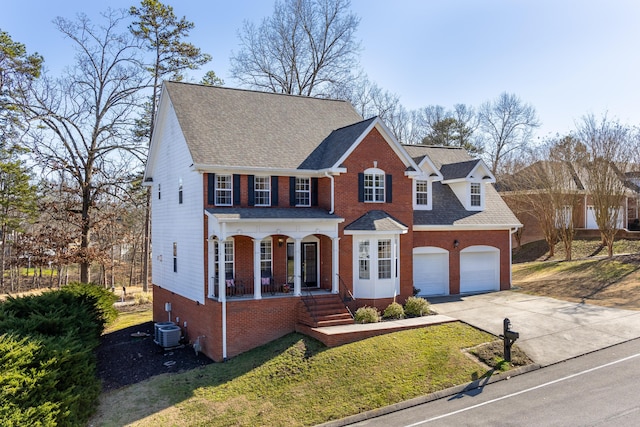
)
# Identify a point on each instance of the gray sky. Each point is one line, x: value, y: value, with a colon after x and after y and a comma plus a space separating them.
x: 566, y: 58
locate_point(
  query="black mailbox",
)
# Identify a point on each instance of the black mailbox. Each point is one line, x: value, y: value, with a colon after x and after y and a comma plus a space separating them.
x: 511, y: 335
x: 509, y: 338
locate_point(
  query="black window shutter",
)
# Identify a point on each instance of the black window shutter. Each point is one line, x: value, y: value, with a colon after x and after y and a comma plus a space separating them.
x: 274, y: 191
x: 211, y: 188
x: 314, y: 191
x: 388, y: 188
x: 292, y: 191
x: 361, y: 187
x: 252, y: 196
x: 236, y: 189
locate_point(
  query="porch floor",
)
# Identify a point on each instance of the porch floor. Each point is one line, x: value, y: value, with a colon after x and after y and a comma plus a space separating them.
x: 333, y: 336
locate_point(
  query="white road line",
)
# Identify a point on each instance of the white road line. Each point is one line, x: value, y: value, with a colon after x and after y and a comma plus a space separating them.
x: 523, y: 391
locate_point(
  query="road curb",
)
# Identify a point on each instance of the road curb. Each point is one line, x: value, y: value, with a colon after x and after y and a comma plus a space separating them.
x: 451, y: 391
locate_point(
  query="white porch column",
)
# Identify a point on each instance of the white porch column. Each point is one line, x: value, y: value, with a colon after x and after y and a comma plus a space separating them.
x: 222, y: 286
x: 297, y: 267
x: 257, y: 283
x: 335, y: 283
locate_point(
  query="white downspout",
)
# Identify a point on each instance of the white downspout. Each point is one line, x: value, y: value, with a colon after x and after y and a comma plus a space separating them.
x: 224, y: 330
x: 332, y: 192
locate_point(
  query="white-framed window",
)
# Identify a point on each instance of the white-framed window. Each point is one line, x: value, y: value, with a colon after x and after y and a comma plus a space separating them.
x: 475, y: 194
x: 262, y: 190
x: 384, y: 259
x: 227, y: 251
x: 422, y: 193
x: 266, y: 256
x: 224, y: 190
x: 374, y: 186
x: 364, y: 261
x: 303, y: 191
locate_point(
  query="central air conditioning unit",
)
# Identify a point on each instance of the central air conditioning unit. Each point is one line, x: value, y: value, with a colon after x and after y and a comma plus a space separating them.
x: 157, y: 326
x: 167, y: 334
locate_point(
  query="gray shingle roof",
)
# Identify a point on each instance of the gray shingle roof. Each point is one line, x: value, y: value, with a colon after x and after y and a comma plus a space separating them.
x: 376, y: 221
x: 230, y: 213
x: 451, y: 212
x: 335, y: 145
x: 439, y: 155
x: 458, y: 170
x: 241, y: 128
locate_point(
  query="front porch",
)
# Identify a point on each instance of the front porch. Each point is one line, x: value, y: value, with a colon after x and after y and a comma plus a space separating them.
x: 256, y: 253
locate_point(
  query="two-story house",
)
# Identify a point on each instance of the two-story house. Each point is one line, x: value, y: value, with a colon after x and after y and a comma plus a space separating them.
x: 260, y: 200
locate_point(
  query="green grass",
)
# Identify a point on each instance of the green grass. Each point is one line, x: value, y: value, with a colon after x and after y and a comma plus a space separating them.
x: 136, y: 316
x: 296, y: 381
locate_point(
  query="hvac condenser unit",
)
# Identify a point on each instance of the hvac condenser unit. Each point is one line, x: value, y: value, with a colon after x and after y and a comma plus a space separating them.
x: 157, y: 326
x: 169, y: 336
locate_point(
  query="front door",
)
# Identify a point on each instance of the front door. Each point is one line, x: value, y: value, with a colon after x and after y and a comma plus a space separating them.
x: 310, y: 264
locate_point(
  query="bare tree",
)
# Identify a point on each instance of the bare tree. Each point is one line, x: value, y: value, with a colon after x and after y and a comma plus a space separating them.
x: 610, y: 146
x: 83, y: 121
x: 305, y: 48
x: 507, y: 125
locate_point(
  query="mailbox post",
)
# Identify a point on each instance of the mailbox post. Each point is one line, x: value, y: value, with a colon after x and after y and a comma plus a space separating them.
x: 509, y: 337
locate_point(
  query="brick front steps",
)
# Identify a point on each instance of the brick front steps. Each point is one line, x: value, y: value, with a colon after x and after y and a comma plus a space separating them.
x: 323, y: 310
x: 334, y: 336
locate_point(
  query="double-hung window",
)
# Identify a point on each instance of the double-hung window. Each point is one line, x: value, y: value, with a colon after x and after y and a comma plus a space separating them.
x: 363, y: 259
x: 476, y: 195
x: 303, y: 192
x: 224, y: 190
x: 262, y: 189
x: 374, y: 187
x: 384, y: 259
x: 422, y: 193
x: 265, y: 256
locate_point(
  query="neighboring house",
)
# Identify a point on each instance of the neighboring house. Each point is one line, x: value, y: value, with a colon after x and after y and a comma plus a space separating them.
x: 571, y: 178
x: 267, y: 206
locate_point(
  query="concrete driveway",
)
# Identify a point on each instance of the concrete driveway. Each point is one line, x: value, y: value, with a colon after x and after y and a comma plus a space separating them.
x: 550, y: 330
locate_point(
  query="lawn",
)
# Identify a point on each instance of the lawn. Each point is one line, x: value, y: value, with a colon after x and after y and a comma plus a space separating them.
x: 591, y: 278
x: 296, y: 381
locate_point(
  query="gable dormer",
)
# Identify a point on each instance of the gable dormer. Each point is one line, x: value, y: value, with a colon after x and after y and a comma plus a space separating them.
x: 468, y: 181
x: 422, y: 184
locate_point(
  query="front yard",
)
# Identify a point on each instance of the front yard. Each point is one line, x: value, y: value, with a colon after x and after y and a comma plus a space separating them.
x: 591, y: 278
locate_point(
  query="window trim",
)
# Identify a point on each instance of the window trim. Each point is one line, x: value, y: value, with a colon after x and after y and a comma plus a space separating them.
x: 428, y: 192
x: 299, y: 192
x: 262, y: 193
x: 218, y: 190
x: 479, y: 195
x: 377, y: 186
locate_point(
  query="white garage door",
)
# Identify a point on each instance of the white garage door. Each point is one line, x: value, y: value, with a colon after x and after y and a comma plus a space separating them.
x: 431, y: 271
x: 479, y: 269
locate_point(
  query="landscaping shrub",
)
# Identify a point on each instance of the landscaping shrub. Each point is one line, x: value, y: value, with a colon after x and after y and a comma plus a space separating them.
x: 47, y: 355
x: 416, y: 307
x: 367, y: 315
x: 393, y: 311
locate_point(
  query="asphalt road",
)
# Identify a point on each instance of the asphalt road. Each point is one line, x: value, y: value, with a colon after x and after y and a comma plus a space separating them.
x: 597, y: 389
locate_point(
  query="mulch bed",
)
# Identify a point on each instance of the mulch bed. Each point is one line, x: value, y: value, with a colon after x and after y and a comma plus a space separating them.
x: 124, y: 359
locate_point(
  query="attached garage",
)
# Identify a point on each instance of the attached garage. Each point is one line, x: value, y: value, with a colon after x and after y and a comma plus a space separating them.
x: 431, y: 270
x: 479, y: 269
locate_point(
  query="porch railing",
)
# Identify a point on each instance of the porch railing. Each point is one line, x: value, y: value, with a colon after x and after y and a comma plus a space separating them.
x: 243, y: 286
